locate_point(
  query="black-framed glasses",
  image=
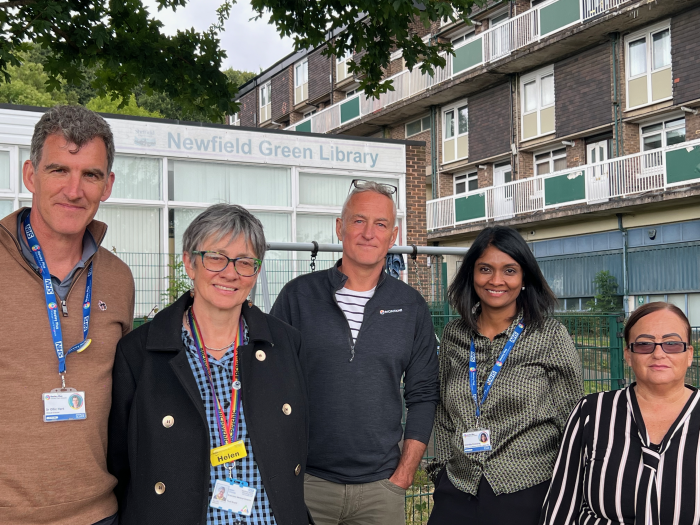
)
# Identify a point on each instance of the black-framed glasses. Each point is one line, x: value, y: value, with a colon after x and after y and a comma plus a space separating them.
x: 648, y: 347
x: 362, y: 184
x: 217, y: 262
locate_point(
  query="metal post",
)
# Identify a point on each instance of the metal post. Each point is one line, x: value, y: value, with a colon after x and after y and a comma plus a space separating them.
x: 617, y: 359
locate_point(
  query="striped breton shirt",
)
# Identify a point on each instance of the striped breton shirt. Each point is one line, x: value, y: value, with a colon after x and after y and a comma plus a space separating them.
x: 352, y: 304
x: 609, y: 473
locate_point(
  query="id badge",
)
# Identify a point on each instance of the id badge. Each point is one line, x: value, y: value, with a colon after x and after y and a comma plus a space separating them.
x: 233, y: 496
x: 476, y: 441
x: 64, y: 406
x: 228, y: 453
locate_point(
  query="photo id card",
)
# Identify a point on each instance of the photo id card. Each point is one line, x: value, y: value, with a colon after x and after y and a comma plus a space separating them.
x: 476, y: 441
x: 233, y: 497
x: 64, y: 406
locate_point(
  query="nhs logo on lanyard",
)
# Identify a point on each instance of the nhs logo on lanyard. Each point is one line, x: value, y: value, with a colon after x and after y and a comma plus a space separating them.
x: 86, y: 323
x: 49, y: 286
x: 59, y: 349
x: 28, y: 232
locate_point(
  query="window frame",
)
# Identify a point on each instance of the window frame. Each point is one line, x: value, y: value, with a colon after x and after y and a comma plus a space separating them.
x: 236, y: 119
x: 304, y: 64
x: 663, y: 131
x: 647, y: 33
x: 463, y: 36
x: 550, y: 160
x: 266, y: 88
x: 421, y: 119
x: 454, y: 107
x: 536, y: 77
x: 465, y: 178
x: 343, y: 62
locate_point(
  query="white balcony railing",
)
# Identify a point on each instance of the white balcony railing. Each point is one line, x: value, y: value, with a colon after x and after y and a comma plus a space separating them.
x: 592, y: 183
x: 483, y: 48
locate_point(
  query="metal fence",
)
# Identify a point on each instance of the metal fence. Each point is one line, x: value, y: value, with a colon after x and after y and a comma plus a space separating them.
x: 598, y: 337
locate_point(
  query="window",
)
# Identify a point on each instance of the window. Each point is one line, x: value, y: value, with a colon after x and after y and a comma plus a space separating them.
x: 309, y: 113
x: 341, y: 67
x: 463, y: 37
x: 662, y: 134
x: 417, y: 126
x: 351, y: 92
x: 466, y: 182
x: 455, y: 143
x: 649, y: 77
x: 265, y: 102
x: 537, y: 103
x: 550, y: 161
x: 236, y: 119
x: 301, y: 81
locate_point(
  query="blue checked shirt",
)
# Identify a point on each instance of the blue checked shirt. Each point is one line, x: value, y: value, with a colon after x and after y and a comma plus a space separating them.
x: 246, y: 469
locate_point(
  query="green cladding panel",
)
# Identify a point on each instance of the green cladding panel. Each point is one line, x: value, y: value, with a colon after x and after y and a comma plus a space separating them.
x: 304, y: 126
x: 558, y: 14
x: 562, y: 189
x: 469, y: 55
x: 470, y: 207
x: 683, y: 164
x: 350, y: 109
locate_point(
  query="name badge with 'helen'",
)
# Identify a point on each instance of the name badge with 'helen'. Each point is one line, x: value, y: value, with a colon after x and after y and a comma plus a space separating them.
x: 228, y: 453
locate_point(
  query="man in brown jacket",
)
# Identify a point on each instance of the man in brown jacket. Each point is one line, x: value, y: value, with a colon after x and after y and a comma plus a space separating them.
x: 67, y: 303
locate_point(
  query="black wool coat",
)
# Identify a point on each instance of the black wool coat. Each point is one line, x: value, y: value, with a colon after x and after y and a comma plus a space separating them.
x: 158, y: 434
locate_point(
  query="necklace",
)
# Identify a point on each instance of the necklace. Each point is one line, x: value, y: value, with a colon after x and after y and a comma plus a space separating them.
x: 209, y: 347
x: 220, y: 349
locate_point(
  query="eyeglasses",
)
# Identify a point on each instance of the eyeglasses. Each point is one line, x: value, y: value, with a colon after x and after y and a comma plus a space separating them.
x: 361, y: 184
x: 217, y: 262
x: 648, y: 347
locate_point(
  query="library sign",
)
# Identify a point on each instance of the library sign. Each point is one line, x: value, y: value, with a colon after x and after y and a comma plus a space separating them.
x: 257, y: 147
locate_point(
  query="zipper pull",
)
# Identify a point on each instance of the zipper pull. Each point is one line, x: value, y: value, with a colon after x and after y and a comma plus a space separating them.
x: 352, y: 353
x: 64, y: 309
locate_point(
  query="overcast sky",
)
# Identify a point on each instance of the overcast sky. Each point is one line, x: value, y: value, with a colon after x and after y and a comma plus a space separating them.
x: 250, y: 45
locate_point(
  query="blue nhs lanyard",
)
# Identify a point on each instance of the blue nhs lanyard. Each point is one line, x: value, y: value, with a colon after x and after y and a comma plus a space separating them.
x: 494, y: 372
x: 51, y: 301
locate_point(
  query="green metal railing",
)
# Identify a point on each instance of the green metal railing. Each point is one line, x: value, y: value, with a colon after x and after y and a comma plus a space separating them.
x: 598, y: 337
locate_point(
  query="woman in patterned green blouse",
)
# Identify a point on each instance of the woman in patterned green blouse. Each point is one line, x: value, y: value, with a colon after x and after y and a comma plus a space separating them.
x: 507, y: 370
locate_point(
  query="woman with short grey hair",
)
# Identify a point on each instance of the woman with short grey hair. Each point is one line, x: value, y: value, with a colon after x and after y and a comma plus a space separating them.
x: 196, y: 433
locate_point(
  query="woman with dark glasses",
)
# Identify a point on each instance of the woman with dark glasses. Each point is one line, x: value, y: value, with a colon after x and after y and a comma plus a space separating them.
x: 209, y: 412
x: 633, y: 455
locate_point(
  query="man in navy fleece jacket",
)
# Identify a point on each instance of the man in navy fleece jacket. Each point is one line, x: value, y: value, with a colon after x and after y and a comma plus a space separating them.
x: 363, y: 331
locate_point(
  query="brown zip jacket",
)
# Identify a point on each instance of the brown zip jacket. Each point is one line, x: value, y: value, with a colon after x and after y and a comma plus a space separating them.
x: 56, y: 473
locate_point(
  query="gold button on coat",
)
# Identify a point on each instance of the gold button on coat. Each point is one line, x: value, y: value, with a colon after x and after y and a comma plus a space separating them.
x: 297, y: 470
x: 287, y: 409
x: 168, y: 421
x: 160, y: 487
x: 260, y: 355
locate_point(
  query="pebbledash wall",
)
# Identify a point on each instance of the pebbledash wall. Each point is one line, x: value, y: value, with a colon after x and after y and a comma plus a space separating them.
x: 167, y: 173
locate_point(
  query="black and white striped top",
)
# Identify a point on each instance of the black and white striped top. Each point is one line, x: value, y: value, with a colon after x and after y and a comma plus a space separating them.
x: 608, y: 472
x: 352, y: 304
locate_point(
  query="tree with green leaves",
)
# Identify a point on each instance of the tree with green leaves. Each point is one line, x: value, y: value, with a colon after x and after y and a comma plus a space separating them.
x: 606, y: 298
x: 123, y: 46
x: 375, y: 26
x: 126, y: 42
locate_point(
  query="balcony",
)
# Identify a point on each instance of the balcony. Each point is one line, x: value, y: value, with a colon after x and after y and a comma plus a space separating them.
x: 485, y: 48
x: 620, y: 177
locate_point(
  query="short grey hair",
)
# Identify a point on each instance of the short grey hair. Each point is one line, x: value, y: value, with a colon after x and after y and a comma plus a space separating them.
x: 373, y: 187
x: 224, y: 220
x: 77, y: 124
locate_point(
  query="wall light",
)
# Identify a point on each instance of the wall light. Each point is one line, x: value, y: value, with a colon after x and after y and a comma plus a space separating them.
x: 571, y: 143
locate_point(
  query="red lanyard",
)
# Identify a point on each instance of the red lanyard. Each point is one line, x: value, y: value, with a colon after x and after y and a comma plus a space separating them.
x: 228, y: 428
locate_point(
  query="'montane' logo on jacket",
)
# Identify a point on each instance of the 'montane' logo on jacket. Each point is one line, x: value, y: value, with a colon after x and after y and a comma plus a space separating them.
x: 382, y: 312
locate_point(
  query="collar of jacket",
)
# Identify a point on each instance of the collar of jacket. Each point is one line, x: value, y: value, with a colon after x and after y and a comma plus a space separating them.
x: 8, y: 236
x: 338, y: 278
x: 165, y: 333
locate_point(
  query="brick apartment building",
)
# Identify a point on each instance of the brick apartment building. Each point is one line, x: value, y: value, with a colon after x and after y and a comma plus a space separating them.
x: 575, y: 121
